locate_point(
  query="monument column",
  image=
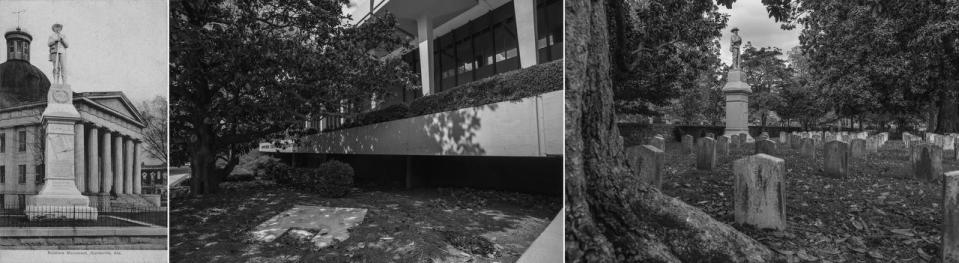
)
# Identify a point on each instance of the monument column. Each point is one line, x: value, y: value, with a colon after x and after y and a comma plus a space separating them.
x: 106, y: 159
x: 128, y: 166
x: 137, y: 176
x: 117, y: 163
x: 78, y: 157
x: 93, y: 161
x: 737, y: 94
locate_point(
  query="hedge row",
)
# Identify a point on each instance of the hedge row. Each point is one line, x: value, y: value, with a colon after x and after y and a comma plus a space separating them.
x: 330, y: 179
x: 508, y: 86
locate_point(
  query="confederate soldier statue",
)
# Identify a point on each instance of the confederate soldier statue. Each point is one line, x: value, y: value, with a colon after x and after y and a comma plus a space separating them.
x: 58, y: 46
x: 734, y: 47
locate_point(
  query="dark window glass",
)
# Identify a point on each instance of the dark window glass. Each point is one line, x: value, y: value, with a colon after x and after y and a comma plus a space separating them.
x: 22, y: 141
x: 23, y: 174
x: 549, y: 28
x: 3, y: 142
x: 464, y: 61
x: 3, y: 174
x: 40, y: 175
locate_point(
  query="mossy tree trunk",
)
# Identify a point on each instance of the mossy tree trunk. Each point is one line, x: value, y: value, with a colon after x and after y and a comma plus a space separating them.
x: 612, y: 216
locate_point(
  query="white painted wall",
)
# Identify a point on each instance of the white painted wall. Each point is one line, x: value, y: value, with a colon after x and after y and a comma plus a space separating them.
x: 529, y: 127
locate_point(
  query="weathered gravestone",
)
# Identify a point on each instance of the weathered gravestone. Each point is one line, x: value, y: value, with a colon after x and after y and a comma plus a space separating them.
x: 836, y: 159
x: 647, y: 163
x: 659, y: 142
x: 808, y: 148
x: 722, y: 146
x: 783, y: 139
x: 794, y: 141
x: 926, y: 161
x: 706, y: 154
x: 872, y: 144
x: 687, y: 143
x: 947, y: 142
x: 857, y: 148
x: 759, y: 192
x: 744, y: 138
x: 766, y: 147
x: 950, y: 226
x: 711, y: 135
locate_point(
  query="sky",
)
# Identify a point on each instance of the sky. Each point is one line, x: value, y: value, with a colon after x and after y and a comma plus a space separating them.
x: 115, y: 45
x: 757, y: 27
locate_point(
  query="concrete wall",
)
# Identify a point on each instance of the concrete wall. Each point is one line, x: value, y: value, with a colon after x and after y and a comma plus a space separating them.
x: 529, y: 127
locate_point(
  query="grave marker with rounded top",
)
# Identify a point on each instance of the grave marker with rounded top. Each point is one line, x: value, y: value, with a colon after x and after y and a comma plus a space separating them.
x: 722, y: 146
x: 836, y: 159
x: 687, y: 143
x: 648, y: 164
x: 950, y: 226
x: 766, y: 147
x: 783, y: 138
x: 759, y: 198
x: 706, y: 154
x: 659, y: 142
x: 927, y: 161
x: 857, y: 148
x: 808, y: 148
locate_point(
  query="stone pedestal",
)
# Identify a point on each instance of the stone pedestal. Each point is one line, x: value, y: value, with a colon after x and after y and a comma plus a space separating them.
x: 737, y: 103
x: 59, y: 198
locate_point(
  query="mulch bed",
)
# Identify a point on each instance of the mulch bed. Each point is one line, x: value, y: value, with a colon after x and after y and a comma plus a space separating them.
x: 877, y: 214
x: 428, y: 225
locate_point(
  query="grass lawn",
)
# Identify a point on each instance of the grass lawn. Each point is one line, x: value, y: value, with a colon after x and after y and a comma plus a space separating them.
x: 428, y: 225
x: 877, y: 214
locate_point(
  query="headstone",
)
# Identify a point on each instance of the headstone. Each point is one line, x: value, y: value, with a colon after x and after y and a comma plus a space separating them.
x: 947, y: 142
x: 857, y: 148
x: 647, y: 163
x: 794, y: 141
x: 950, y: 226
x: 711, y: 135
x: 767, y: 147
x: 836, y: 159
x: 872, y: 144
x: 808, y: 148
x: 744, y: 138
x: 687, y: 143
x: 659, y: 142
x: 706, y: 154
x: 927, y: 161
x: 846, y: 138
x: 759, y: 192
x: 782, y: 138
x: 722, y: 146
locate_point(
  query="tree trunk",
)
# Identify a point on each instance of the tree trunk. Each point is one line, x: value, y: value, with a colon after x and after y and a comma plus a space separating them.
x: 947, y: 120
x: 610, y: 215
x: 204, y: 179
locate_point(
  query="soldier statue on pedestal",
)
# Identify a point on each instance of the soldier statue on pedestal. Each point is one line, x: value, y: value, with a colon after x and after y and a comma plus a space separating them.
x: 58, y: 46
x: 736, y: 41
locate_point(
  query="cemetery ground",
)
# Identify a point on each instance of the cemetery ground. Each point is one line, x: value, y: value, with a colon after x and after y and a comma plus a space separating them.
x: 420, y: 225
x: 878, y: 213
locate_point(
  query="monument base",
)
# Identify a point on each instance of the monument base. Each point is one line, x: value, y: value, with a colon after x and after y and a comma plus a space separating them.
x: 49, y: 212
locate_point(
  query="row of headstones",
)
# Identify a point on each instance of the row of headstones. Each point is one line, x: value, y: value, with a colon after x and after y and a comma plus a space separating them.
x: 946, y: 142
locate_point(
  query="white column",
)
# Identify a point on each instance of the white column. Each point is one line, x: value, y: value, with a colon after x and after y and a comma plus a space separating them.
x: 526, y: 31
x: 93, y: 161
x: 424, y: 31
x: 106, y: 157
x: 128, y: 166
x: 79, y: 163
x: 118, y: 164
x: 137, y: 172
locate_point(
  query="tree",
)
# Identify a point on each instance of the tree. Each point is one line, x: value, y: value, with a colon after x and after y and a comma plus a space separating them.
x: 243, y: 72
x: 766, y: 74
x: 154, y: 114
x: 611, y: 216
x: 882, y: 57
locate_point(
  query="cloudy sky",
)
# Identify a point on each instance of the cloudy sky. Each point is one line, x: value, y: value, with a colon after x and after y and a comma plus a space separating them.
x: 115, y: 45
x: 755, y: 26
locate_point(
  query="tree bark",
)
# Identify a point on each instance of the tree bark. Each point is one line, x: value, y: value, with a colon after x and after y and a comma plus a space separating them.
x: 610, y: 215
x: 947, y: 118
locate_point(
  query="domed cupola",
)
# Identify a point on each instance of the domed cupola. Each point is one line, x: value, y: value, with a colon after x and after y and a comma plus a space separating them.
x: 20, y: 81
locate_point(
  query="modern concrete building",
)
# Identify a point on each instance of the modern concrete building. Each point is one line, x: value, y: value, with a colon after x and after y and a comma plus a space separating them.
x: 511, y: 145
x: 107, y: 137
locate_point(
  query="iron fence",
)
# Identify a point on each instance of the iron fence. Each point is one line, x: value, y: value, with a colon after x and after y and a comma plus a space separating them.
x: 80, y: 217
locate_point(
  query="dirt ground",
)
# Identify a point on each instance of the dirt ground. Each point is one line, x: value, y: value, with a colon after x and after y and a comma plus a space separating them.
x: 429, y: 225
x: 877, y: 214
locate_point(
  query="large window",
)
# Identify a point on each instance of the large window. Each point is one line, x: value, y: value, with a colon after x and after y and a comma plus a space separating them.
x: 3, y: 142
x: 22, y: 141
x: 3, y: 174
x: 23, y: 174
x: 481, y: 48
x: 549, y: 30
x: 40, y: 176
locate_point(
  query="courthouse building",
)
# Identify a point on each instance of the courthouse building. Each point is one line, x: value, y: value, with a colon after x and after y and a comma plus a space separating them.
x: 107, y: 141
x: 510, y: 145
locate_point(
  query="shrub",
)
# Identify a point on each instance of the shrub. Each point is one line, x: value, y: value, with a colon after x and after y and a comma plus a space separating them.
x: 331, y: 179
x: 392, y: 112
x: 239, y: 177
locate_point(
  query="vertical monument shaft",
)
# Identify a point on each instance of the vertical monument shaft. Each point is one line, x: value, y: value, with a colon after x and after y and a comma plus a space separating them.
x: 737, y: 93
